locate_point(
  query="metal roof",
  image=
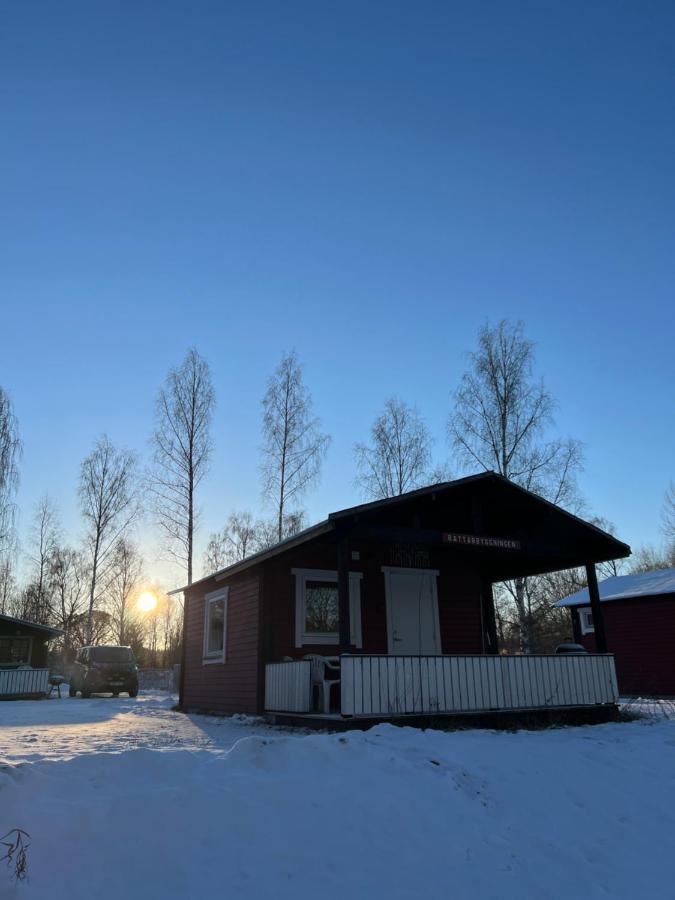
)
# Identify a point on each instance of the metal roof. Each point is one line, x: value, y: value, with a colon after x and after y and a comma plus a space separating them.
x: 627, y: 587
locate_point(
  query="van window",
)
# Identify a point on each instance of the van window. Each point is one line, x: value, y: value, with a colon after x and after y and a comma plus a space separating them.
x: 111, y: 655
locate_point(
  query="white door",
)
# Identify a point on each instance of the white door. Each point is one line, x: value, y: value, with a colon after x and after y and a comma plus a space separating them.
x: 412, y: 611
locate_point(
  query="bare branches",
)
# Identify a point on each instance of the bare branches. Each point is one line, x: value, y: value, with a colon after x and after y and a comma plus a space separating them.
x: 500, y: 421
x: 182, y: 442
x: 243, y: 536
x: 237, y: 540
x: 69, y: 580
x: 293, y: 444
x: 16, y: 843
x: 126, y: 569
x: 10, y: 451
x: 502, y: 413
x: 398, y: 458
x: 668, y: 517
x: 44, y: 539
x: 108, y: 501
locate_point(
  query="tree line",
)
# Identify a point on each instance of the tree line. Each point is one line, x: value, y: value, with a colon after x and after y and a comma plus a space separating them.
x: 501, y: 419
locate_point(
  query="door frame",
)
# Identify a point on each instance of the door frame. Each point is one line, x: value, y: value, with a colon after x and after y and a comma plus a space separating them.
x: 433, y: 574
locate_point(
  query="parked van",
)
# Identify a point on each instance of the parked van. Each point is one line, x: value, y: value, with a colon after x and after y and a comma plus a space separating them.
x: 104, y: 669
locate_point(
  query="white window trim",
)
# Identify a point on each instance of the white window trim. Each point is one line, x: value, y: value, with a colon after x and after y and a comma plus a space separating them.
x: 218, y: 656
x: 433, y: 574
x: 586, y: 627
x: 303, y: 638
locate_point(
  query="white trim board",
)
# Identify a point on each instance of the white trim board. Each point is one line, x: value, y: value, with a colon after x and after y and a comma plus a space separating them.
x: 209, y: 658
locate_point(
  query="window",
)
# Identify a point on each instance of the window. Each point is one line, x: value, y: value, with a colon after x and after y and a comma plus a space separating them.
x: 586, y: 620
x: 317, y: 619
x: 215, y: 626
x: 111, y: 655
x: 15, y: 651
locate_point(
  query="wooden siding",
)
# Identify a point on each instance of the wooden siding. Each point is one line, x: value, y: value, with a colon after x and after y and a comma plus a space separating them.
x: 458, y: 602
x: 420, y: 685
x: 231, y: 686
x: 640, y: 634
x: 24, y: 682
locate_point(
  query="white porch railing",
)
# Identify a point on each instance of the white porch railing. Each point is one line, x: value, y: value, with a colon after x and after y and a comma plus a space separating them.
x: 22, y: 682
x: 288, y: 686
x: 426, y: 685
x: 402, y: 685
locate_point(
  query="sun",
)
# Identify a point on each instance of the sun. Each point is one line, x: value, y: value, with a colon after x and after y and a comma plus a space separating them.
x: 147, y: 601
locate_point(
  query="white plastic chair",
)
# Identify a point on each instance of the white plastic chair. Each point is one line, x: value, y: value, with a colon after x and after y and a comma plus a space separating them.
x: 318, y: 674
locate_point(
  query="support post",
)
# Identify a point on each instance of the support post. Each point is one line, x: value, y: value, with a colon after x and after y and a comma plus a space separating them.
x: 343, y: 596
x: 489, y: 623
x: 596, y: 609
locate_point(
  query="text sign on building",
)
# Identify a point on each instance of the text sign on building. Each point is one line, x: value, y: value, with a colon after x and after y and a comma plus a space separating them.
x: 477, y: 540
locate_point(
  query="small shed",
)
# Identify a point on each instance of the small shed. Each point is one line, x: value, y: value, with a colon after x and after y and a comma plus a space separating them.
x: 639, y: 618
x: 23, y: 657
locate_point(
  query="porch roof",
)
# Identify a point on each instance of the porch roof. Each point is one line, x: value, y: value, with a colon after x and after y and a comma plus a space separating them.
x: 549, y: 537
x: 25, y: 624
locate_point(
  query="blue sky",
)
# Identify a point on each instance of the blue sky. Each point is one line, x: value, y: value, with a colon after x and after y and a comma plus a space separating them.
x: 367, y: 183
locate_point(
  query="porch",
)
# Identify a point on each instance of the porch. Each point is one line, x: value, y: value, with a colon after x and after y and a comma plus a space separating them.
x: 389, y: 686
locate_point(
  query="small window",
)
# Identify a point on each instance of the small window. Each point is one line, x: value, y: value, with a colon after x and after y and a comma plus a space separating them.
x: 317, y: 619
x: 586, y: 620
x: 215, y: 626
x: 15, y: 651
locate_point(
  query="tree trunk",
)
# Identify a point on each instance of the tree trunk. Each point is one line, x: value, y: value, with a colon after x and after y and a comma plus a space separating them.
x: 190, y: 528
x: 92, y: 591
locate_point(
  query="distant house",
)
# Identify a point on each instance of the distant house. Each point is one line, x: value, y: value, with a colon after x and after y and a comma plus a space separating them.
x: 23, y: 657
x: 386, y: 610
x: 639, y: 619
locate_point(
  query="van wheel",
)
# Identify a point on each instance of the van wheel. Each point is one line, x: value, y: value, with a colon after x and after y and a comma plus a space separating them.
x: 133, y: 692
x: 115, y: 693
x: 72, y: 692
x: 85, y: 694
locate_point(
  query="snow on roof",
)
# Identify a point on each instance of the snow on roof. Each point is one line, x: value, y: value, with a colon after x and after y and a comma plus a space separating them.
x: 624, y: 587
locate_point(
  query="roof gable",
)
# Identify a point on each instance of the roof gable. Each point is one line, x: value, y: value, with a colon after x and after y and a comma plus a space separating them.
x: 502, y: 502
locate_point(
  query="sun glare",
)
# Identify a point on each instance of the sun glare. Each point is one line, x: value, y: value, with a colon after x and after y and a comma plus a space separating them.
x: 146, y: 601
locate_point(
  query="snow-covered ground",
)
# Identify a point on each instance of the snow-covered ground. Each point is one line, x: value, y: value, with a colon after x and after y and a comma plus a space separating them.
x: 126, y: 799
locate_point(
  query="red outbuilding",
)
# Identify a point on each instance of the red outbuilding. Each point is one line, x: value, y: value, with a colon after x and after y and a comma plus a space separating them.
x: 639, y: 619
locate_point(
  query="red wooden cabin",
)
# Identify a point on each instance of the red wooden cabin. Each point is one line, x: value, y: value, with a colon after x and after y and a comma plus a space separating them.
x: 397, y: 594
x: 639, y: 618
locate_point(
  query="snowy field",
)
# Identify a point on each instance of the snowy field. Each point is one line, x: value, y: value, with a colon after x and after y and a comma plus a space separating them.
x: 126, y: 799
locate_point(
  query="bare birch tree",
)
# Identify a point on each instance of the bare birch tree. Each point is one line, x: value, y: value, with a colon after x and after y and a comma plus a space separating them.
x: 237, y: 540
x: 293, y: 444
x: 10, y: 451
x: 44, y: 539
x: 182, y: 442
x: 500, y: 422
x: 398, y: 458
x: 108, y: 500
x: 69, y: 582
x: 126, y: 569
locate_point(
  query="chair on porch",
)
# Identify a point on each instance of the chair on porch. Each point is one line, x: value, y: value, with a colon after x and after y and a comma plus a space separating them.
x: 321, y: 666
